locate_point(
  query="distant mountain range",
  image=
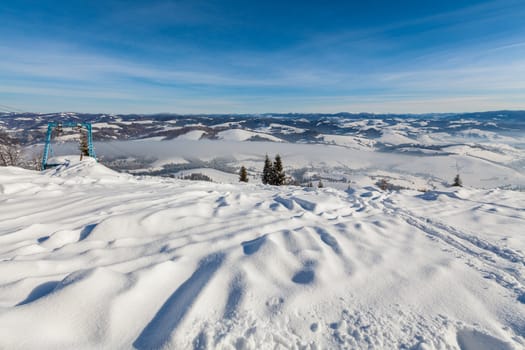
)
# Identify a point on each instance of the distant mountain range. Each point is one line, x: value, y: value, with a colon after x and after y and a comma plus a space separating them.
x: 30, y: 128
x: 411, y: 151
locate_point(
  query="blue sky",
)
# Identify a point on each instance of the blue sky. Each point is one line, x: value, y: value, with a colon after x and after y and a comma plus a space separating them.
x: 262, y: 56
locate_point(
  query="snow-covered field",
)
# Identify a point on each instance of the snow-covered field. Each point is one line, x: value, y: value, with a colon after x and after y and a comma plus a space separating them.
x: 90, y: 258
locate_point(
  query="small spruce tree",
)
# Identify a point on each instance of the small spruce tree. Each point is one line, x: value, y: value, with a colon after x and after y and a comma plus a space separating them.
x: 267, y: 171
x: 278, y: 175
x: 457, y: 181
x: 383, y: 184
x: 243, y: 175
x: 84, y: 148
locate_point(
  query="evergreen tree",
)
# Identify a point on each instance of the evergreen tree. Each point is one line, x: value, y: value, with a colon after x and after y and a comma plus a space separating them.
x: 84, y: 147
x: 383, y: 184
x: 243, y: 175
x: 320, y: 184
x: 457, y: 181
x: 278, y: 176
x: 267, y: 171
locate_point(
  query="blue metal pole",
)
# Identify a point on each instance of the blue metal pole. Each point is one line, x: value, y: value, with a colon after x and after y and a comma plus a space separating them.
x: 47, y: 145
x: 91, y: 149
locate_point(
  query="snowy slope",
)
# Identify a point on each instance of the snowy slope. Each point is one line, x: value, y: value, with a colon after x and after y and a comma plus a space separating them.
x: 192, y: 135
x: 214, y: 174
x: 348, y: 141
x: 90, y: 258
x: 243, y: 135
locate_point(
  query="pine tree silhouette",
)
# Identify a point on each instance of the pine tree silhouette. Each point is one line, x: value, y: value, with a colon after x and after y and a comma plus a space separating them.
x: 267, y: 171
x: 278, y: 175
x: 84, y: 148
x: 457, y: 181
x: 243, y: 175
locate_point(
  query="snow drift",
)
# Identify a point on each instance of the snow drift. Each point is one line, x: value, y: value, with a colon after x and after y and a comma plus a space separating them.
x: 90, y: 258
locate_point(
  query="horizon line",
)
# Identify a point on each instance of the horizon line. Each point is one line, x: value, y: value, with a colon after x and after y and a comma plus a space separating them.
x: 266, y: 113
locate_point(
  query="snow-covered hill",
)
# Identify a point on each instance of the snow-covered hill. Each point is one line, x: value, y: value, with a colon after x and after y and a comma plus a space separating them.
x: 90, y: 258
x: 366, y: 129
x: 488, y: 149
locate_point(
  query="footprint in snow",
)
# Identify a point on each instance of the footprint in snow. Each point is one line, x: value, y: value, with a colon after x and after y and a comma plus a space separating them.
x: 222, y: 202
x: 285, y: 202
x: 251, y: 247
x: 304, y: 277
x: 328, y: 239
x: 275, y: 304
x: 86, y: 231
x: 43, y: 239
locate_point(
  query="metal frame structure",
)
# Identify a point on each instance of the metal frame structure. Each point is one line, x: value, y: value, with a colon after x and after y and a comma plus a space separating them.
x: 60, y: 125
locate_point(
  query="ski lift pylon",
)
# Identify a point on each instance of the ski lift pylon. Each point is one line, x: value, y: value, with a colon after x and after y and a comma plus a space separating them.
x: 59, y: 127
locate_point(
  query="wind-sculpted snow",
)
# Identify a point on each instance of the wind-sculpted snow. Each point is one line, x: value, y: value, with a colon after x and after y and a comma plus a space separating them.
x: 91, y: 258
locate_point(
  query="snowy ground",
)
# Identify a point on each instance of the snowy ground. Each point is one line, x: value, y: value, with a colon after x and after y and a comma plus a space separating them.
x: 90, y: 258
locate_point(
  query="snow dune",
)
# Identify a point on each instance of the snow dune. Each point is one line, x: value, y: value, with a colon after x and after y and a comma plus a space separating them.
x: 90, y: 258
